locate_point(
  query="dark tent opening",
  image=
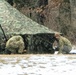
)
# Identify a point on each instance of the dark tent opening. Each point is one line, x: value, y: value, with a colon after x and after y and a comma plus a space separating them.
x: 39, y: 43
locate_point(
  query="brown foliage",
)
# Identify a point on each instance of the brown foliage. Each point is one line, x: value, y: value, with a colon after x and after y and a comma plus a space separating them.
x: 54, y: 14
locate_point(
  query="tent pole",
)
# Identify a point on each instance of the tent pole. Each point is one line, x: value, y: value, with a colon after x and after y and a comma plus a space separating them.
x: 3, y: 33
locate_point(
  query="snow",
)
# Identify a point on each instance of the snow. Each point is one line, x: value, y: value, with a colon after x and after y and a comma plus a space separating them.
x: 73, y: 49
x: 38, y: 64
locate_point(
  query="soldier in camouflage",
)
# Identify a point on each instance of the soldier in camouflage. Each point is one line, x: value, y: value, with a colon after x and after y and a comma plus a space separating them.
x: 64, y: 44
x: 15, y: 44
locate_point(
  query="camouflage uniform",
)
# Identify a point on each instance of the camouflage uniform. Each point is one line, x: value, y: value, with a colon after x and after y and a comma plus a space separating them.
x: 64, y: 45
x: 15, y: 44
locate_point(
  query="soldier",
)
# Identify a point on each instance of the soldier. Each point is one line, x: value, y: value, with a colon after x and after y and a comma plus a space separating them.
x: 64, y: 44
x: 15, y: 44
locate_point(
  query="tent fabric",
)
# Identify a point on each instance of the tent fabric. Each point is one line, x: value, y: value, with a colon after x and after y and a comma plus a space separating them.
x: 12, y: 21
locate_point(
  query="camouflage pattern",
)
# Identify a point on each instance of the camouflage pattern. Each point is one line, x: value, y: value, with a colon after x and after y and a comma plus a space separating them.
x: 15, y: 44
x: 13, y: 21
x: 64, y: 43
x: 40, y: 43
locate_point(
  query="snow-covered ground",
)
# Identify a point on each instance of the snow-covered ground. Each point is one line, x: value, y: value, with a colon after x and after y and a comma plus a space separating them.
x: 40, y: 64
x: 73, y: 49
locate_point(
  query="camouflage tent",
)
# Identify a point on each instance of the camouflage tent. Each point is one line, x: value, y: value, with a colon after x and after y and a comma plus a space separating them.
x: 14, y: 22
